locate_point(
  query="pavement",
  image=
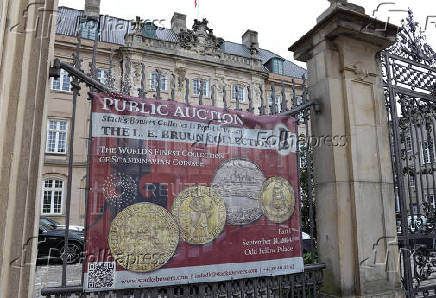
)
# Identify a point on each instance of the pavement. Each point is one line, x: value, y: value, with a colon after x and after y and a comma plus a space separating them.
x: 51, y: 276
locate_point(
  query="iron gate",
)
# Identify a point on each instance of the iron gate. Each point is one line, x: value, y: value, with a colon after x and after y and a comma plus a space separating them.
x: 410, y: 88
x: 306, y: 284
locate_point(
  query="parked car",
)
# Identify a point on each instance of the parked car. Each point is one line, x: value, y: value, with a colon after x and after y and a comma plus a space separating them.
x: 307, y: 242
x: 51, y: 222
x: 51, y: 244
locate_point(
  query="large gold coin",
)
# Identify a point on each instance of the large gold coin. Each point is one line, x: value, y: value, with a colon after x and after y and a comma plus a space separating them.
x: 201, y: 214
x: 277, y: 199
x: 143, y: 237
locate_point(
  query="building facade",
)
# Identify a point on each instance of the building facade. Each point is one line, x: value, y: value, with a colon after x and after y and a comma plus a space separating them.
x: 418, y: 160
x: 187, y: 65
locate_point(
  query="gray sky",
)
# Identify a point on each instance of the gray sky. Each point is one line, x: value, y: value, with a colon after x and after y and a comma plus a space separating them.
x: 279, y: 22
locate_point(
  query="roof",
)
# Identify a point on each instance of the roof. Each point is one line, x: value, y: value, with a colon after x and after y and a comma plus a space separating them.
x: 113, y: 30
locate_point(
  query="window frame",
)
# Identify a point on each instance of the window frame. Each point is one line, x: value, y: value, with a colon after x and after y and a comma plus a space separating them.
x: 105, y: 73
x: 426, y: 154
x: 244, y: 93
x: 61, y: 78
x: 408, y: 144
x: 429, y: 197
x: 57, y: 131
x: 277, y: 66
x: 206, y: 86
x: 412, y: 178
x: 52, y: 190
x: 88, y: 30
x: 277, y: 102
x: 163, y: 79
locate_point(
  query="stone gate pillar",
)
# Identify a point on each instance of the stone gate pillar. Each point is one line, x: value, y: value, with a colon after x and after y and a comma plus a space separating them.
x: 355, y: 192
x: 26, y: 49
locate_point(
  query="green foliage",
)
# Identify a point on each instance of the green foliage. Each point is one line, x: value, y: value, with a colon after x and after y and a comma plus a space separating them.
x: 307, y: 258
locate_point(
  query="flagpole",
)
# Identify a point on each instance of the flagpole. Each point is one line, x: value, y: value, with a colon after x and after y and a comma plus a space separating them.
x: 197, y: 9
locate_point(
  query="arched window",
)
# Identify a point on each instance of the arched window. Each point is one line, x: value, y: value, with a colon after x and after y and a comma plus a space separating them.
x: 52, y: 196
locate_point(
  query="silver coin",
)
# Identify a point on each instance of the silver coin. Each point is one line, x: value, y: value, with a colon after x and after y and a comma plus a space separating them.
x: 239, y: 182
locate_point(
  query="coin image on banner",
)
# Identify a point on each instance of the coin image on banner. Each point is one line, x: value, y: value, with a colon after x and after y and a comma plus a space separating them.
x: 277, y: 199
x: 119, y: 190
x: 200, y: 213
x: 239, y: 183
x: 143, y: 237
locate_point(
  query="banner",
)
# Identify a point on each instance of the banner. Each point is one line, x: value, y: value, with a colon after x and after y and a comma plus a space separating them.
x: 188, y: 194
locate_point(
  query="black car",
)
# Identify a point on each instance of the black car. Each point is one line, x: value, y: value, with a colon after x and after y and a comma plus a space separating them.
x: 51, y: 244
x: 307, y: 242
x: 51, y: 222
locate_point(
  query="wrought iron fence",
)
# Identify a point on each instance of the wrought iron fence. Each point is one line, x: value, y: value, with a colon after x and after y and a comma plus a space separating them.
x: 410, y: 89
x: 306, y: 284
x: 299, y: 106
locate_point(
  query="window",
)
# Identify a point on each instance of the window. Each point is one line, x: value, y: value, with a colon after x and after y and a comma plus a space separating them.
x: 277, y: 66
x: 397, y: 200
x: 415, y: 208
x: 277, y: 102
x: 239, y: 93
x: 63, y: 83
x: 102, y: 75
x: 163, y: 81
x: 56, y: 136
x: 197, y: 83
x: 299, y: 100
x: 427, y: 152
x: 412, y: 180
x: 430, y: 199
x: 53, y: 190
x: 89, y: 29
x: 149, y: 30
x: 409, y: 143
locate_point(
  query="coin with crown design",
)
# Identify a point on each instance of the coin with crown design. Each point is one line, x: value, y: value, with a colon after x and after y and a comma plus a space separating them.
x: 277, y: 199
x: 239, y: 182
x: 143, y: 237
x: 200, y: 213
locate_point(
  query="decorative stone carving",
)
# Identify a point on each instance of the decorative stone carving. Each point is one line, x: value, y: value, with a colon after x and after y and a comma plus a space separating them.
x: 181, y: 75
x: 137, y: 70
x: 200, y: 38
x: 359, y: 70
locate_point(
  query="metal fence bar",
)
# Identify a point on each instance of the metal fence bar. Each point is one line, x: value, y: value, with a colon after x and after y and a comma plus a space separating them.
x: 409, y: 73
x: 311, y: 278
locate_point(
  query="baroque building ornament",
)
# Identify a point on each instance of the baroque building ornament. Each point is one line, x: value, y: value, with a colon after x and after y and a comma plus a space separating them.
x: 412, y: 43
x: 343, y: 2
x: 200, y: 38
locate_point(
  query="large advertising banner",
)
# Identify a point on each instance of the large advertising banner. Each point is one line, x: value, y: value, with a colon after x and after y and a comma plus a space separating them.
x: 189, y: 194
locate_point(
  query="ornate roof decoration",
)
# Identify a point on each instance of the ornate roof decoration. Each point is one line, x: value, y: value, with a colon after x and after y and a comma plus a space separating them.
x: 333, y: 2
x: 412, y: 43
x: 138, y: 24
x: 200, y: 38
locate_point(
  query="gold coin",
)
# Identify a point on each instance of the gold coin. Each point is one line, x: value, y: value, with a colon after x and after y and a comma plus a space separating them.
x: 143, y: 237
x: 277, y: 199
x: 200, y: 213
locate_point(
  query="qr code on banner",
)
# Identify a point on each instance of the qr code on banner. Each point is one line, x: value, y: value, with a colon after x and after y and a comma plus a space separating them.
x: 101, y: 275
